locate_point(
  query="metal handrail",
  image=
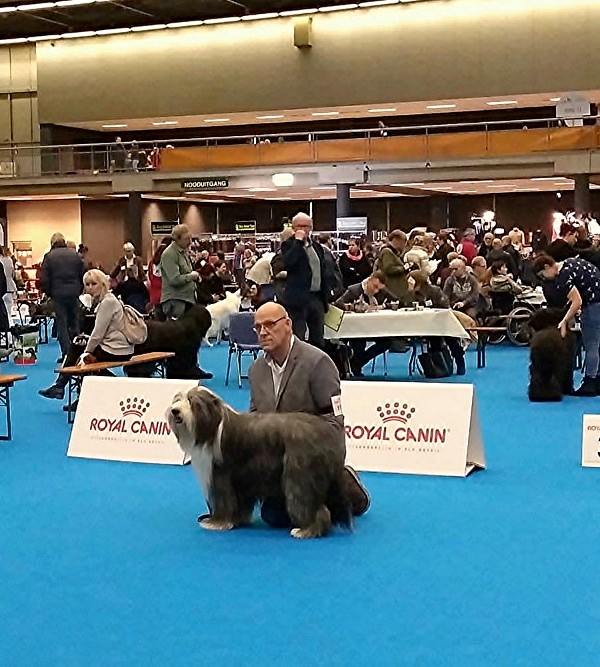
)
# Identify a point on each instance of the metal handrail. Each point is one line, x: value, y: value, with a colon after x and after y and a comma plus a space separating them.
x: 315, y: 134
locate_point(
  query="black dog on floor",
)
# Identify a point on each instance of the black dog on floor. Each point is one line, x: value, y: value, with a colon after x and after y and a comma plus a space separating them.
x: 183, y: 336
x: 552, y: 357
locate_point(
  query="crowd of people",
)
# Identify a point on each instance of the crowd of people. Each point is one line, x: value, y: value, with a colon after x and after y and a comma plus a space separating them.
x: 307, y: 274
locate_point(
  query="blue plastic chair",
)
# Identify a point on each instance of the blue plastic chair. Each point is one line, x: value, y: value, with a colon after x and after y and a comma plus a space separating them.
x: 242, y: 340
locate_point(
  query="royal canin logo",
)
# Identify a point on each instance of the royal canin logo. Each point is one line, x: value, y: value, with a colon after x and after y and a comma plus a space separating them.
x: 135, y: 407
x: 389, y: 415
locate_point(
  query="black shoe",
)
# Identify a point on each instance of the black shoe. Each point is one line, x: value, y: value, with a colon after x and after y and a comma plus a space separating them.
x: 359, y: 496
x: 53, y: 391
x: 461, y: 369
x: 588, y: 388
x: 203, y: 375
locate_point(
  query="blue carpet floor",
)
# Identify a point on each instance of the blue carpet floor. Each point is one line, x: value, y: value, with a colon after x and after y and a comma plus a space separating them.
x: 103, y: 563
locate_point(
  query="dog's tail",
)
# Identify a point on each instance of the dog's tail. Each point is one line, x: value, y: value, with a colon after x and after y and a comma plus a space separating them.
x: 338, y: 502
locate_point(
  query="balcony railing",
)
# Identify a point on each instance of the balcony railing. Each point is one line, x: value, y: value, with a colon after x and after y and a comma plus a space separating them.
x: 408, y: 144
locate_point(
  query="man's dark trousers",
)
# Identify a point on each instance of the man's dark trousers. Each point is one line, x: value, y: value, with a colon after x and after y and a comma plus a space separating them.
x: 311, y: 314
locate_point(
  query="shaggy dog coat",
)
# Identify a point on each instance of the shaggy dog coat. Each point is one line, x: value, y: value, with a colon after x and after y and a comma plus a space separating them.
x: 552, y: 357
x: 182, y: 336
x: 245, y: 458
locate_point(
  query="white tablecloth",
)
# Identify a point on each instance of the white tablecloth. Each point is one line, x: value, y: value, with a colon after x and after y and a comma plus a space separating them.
x: 404, y: 323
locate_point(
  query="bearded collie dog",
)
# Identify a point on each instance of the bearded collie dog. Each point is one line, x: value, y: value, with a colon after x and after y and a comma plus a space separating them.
x: 242, y: 459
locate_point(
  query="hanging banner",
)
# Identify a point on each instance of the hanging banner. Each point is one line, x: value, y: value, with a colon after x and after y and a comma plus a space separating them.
x: 123, y: 419
x: 409, y: 427
x: 205, y: 183
x: 245, y: 227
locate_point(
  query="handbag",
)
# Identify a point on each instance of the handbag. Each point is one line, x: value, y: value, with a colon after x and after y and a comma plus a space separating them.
x: 134, y: 327
x: 435, y: 364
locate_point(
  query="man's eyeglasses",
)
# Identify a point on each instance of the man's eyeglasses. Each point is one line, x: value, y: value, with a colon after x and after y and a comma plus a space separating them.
x: 269, y: 325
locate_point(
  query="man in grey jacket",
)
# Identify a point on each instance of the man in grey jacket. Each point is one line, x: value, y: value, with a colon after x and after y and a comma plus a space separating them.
x: 294, y: 376
x: 62, y: 280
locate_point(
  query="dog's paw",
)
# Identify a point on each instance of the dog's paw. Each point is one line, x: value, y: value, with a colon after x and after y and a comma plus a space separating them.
x: 216, y: 524
x: 302, y: 533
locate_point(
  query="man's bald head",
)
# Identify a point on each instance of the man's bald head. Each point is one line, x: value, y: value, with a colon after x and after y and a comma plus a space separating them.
x: 270, y: 310
x: 302, y: 225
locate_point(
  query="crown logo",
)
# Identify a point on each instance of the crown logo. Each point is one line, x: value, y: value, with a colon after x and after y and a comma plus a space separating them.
x: 395, y: 412
x: 134, y: 406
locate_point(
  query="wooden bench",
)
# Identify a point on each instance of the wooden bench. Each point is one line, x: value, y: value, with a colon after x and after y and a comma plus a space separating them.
x: 76, y: 374
x: 482, y: 339
x: 6, y: 383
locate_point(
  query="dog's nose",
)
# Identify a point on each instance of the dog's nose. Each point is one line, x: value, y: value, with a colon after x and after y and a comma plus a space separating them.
x: 175, y: 412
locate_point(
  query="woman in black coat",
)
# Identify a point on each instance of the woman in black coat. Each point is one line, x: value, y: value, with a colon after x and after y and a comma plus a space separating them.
x: 354, y: 265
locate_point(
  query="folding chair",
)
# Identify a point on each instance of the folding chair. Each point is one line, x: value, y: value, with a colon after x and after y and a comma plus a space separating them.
x: 242, y: 339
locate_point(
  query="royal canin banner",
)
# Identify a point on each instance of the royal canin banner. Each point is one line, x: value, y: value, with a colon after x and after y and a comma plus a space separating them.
x: 412, y: 427
x: 123, y: 419
x: 590, y: 451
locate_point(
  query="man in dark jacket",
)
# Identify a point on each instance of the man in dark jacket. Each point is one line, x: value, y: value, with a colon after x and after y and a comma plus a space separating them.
x: 62, y: 280
x: 307, y: 288
x: 373, y: 293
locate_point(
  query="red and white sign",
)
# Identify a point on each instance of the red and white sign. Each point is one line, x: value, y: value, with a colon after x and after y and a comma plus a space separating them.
x: 123, y: 419
x: 409, y: 427
x: 590, y: 448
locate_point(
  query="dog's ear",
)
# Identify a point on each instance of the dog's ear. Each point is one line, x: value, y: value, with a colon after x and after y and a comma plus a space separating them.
x: 207, y: 411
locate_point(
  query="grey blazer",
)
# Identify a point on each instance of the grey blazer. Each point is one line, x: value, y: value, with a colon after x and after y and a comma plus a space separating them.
x: 309, y: 382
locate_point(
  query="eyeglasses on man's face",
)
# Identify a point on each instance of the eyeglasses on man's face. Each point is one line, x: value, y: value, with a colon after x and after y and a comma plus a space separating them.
x: 269, y: 325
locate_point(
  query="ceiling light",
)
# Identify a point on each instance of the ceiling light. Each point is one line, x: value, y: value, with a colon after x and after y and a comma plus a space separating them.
x: 555, y: 99
x: 441, y: 106
x: 113, y: 31
x: 114, y: 125
x: 72, y: 3
x: 548, y: 178
x: 338, y: 8
x: 326, y: 113
x: 224, y: 19
x: 270, y: 117
x: 469, y: 192
x: 298, y: 12
x: 504, y: 185
x: 7, y: 10
x: 36, y: 5
x: 165, y: 122
x: 16, y: 40
x: 405, y: 185
x: 378, y: 3
x: 217, y: 120
x: 257, y: 17
x: 474, y: 182
x: 283, y: 179
x: 185, y: 24
x: 498, y: 103
x: 382, y: 110
x: 43, y: 38
x: 76, y: 35
x: 143, y: 28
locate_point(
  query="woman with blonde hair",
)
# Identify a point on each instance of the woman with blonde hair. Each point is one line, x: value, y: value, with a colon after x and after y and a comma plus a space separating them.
x: 106, y: 342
